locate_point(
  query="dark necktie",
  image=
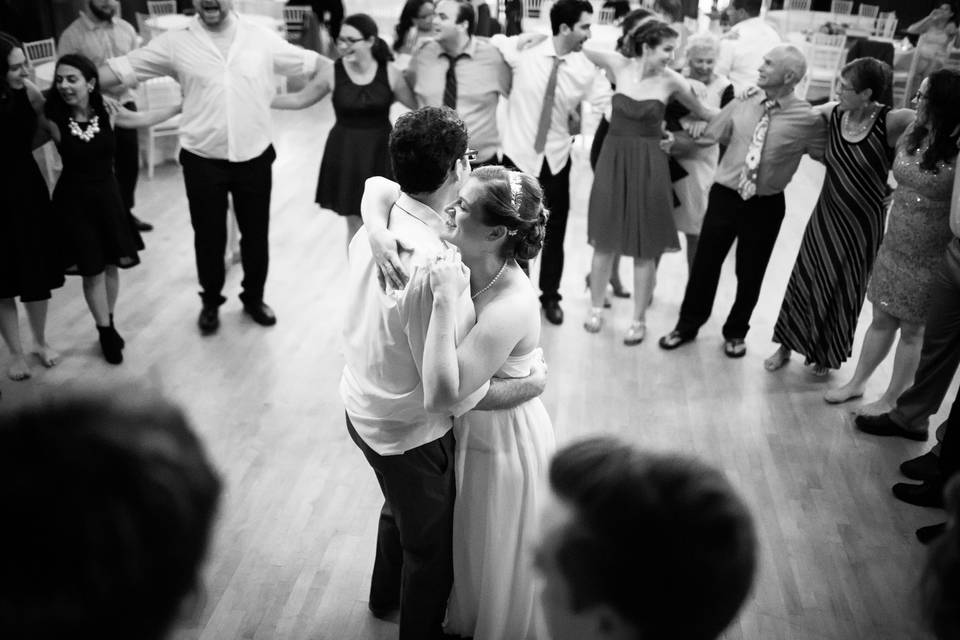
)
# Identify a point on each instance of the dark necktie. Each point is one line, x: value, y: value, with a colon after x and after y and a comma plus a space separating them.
x: 450, y: 88
x: 546, y: 112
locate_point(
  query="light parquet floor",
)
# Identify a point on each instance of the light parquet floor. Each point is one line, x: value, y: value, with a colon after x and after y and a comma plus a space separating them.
x: 293, y: 546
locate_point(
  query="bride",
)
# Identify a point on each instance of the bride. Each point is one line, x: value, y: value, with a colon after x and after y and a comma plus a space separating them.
x: 502, y: 456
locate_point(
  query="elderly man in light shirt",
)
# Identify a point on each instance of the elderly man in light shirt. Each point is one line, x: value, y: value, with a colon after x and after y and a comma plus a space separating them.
x: 767, y: 133
x: 226, y: 66
x: 410, y: 449
x: 478, y: 78
x: 743, y: 47
x: 99, y: 33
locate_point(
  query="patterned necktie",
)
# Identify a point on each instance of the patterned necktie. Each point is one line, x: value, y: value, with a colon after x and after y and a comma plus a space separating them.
x: 450, y: 88
x: 747, y: 186
x: 547, y: 112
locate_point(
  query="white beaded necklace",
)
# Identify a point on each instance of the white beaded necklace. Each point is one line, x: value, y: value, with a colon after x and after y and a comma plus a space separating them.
x: 92, y: 129
x: 492, y: 282
x: 855, y: 131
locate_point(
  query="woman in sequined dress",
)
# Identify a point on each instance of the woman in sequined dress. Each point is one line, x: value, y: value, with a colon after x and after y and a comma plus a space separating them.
x: 918, y: 232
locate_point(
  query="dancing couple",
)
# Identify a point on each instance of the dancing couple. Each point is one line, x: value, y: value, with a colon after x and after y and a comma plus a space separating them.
x: 442, y: 380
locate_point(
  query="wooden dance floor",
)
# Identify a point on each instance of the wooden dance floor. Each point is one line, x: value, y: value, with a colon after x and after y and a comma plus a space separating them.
x: 294, y: 544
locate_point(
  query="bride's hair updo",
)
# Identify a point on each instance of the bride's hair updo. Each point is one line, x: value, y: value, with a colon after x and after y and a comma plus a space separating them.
x: 651, y: 33
x: 514, y: 200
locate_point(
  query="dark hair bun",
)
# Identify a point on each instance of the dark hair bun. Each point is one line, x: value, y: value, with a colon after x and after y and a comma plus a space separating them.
x: 533, y: 229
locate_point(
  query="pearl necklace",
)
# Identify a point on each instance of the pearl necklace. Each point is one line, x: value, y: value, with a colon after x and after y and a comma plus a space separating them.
x: 862, y: 128
x: 86, y: 134
x: 492, y: 282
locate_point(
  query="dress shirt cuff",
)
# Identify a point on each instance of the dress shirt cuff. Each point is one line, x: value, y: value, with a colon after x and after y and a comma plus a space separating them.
x: 124, y: 70
x: 468, y: 403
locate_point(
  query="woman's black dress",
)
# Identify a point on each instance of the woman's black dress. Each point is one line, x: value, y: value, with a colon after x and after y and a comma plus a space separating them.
x: 30, y: 250
x: 358, y: 144
x: 98, y: 230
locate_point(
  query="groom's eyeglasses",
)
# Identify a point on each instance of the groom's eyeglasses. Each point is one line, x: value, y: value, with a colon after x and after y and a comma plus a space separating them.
x: 470, y: 155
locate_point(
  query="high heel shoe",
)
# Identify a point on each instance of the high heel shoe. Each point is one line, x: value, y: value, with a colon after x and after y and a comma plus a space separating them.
x: 606, y: 300
x: 636, y: 333
x: 594, y: 321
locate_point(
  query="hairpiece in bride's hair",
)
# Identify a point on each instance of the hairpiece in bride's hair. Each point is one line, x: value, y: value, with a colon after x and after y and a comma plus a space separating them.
x: 516, y: 189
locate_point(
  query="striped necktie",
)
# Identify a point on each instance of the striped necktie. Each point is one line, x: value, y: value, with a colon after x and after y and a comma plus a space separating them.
x: 747, y: 186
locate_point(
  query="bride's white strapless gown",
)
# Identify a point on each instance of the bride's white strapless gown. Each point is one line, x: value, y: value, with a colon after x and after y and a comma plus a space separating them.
x: 502, y: 459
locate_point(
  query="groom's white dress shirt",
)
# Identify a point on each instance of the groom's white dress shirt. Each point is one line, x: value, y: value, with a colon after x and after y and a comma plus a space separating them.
x: 384, y: 335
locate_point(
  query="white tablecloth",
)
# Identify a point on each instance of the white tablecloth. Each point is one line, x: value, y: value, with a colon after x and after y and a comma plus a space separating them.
x: 813, y: 20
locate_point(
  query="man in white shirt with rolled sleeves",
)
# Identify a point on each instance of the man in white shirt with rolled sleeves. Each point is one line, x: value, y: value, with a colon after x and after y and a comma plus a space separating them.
x: 550, y: 81
x: 226, y: 67
x: 743, y: 47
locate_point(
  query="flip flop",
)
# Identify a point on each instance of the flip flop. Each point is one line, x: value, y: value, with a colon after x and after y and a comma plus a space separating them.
x: 673, y: 340
x: 734, y: 348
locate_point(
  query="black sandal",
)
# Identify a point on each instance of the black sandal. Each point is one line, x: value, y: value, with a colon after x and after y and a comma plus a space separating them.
x: 734, y: 348
x: 674, y: 339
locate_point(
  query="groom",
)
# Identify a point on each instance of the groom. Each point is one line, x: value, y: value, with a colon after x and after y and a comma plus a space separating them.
x: 411, y: 451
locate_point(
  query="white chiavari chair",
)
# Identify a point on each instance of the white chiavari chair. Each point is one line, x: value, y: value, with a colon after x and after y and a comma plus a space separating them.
x: 796, y: 15
x: 886, y: 25
x: 293, y: 18
x: 40, y: 51
x: 825, y: 55
x: 157, y: 93
x: 531, y: 8
x: 839, y: 9
x: 161, y: 7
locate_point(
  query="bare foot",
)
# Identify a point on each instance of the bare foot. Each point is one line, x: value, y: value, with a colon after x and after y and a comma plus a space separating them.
x: 874, y: 408
x: 843, y: 394
x: 48, y: 357
x: 819, y: 371
x: 779, y: 358
x: 19, y: 370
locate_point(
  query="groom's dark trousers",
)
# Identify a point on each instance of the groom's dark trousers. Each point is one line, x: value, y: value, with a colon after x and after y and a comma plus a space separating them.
x: 414, y: 563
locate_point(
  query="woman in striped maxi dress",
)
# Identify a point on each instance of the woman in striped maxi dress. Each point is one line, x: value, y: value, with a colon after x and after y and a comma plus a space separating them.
x: 826, y: 290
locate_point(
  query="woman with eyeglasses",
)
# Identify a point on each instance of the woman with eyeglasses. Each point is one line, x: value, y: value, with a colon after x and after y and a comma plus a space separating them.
x: 364, y: 84
x: 918, y: 231
x: 819, y: 313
